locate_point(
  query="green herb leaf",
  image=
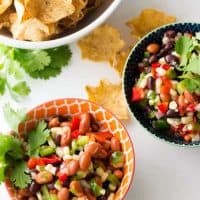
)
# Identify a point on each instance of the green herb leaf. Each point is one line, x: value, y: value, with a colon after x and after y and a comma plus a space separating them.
x: 194, y: 65
x: 184, y: 45
x: 21, y: 88
x: 37, y: 137
x: 14, y: 117
x: 2, y: 85
x: 19, y: 176
x: 32, y: 60
x: 11, y: 149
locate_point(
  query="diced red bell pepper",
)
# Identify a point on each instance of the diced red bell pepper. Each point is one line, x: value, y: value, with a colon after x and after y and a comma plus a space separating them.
x: 75, y: 134
x: 166, y: 66
x: 102, y: 136
x: 51, y: 160
x: 137, y: 94
x: 62, y: 177
x: 75, y: 123
x: 163, y: 107
x: 154, y: 66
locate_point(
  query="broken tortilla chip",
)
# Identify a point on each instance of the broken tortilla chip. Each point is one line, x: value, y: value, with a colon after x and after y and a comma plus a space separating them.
x: 102, y: 44
x: 5, y: 19
x: 148, y: 20
x: 110, y: 96
x: 32, y: 29
x: 4, y: 5
x: 120, y: 61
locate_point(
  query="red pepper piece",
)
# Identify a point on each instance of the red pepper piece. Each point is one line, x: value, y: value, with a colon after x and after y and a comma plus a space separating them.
x: 166, y: 67
x: 32, y: 163
x: 75, y: 134
x: 137, y: 94
x: 75, y: 123
x: 62, y: 177
x: 163, y: 107
x: 155, y: 65
x: 191, y: 107
x: 51, y: 160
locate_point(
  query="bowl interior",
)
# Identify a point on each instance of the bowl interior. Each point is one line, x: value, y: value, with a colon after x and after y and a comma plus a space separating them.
x: 131, y: 73
x: 106, y: 120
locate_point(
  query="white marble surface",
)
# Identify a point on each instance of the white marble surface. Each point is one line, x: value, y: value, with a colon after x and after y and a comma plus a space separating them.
x: 163, y: 172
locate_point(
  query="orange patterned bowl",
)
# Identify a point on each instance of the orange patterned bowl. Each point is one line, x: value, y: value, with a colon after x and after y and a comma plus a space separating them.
x: 106, y: 120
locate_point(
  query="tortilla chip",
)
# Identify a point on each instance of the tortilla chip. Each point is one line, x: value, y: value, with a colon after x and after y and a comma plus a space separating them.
x: 148, y: 20
x: 55, y: 10
x: 102, y: 44
x: 120, y: 61
x: 32, y: 30
x: 4, y: 5
x: 5, y: 19
x: 110, y: 96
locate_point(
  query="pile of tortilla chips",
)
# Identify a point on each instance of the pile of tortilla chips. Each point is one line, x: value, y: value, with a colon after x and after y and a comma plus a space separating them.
x: 37, y: 20
x: 106, y: 44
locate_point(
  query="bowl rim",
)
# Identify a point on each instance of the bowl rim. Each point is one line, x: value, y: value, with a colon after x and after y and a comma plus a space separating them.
x: 123, y: 83
x: 7, y: 183
x: 65, y: 39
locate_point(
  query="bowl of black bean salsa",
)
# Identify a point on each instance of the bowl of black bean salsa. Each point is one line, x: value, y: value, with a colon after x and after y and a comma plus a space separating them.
x: 161, y: 83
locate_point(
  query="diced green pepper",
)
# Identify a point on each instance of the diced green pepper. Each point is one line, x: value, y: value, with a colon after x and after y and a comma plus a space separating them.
x: 80, y: 175
x: 58, y: 185
x: 53, y: 197
x: 45, y: 193
x: 82, y: 140
x: 117, y: 157
x: 151, y: 114
x: 96, y: 189
x: 180, y: 87
x: 142, y: 104
x: 46, y: 150
x: 161, y: 124
x: 113, y: 179
x: 171, y: 74
x: 146, y: 54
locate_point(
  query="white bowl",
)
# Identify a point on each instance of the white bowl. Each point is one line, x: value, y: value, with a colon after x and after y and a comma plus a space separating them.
x: 89, y: 23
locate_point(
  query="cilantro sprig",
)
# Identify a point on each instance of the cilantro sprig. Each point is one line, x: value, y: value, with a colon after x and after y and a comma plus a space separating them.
x: 38, y: 64
x: 189, y: 50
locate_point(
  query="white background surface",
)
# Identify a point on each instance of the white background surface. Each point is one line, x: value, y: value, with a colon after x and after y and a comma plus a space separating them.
x: 163, y: 172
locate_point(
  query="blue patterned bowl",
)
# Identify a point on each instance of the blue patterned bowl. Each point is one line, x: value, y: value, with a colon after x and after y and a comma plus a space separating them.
x: 131, y: 72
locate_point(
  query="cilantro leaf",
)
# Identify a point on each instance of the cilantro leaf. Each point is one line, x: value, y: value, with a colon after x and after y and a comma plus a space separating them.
x: 11, y: 147
x: 32, y: 60
x: 184, y: 45
x: 21, y: 88
x: 60, y: 57
x: 194, y: 65
x: 19, y: 176
x: 2, y: 85
x: 37, y: 137
x: 14, y: 117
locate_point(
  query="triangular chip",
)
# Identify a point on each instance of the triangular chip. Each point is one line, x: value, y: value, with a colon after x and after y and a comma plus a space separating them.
x: 32, y: 29
x: 4, y: 5
x: 110, y: 96
x: 148, y: 20
x: 120, y: 61
x: 102, y: 44
x: 5, y: 18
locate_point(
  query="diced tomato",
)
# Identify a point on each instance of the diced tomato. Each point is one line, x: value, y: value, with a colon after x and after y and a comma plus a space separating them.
x: 187, y: 137
x: 154, y: 66
x: 191, y: 107
x: 166, y: 66
x: 32, y: 163
x: 75, y: 134
x: 188, y: 96
x: 137, y: 94
x: 167, y: 82
x: 75, y: 123
x: 163, y: 107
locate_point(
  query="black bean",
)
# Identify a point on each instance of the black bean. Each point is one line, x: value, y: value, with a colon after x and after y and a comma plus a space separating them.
x: 172, y: 113
x: 34, y: 187
x: 170, y: 34
x: 163, y: 52
x: 66, y: 183
x: 172, y: 59
x: 104, y: 197
x: 95, y: 127
x: 153, y: 59
x: 145, y: 61
x: 57, y: 140
x: 64, y: 118
x: 169, y: 45
x: 151, y: 83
